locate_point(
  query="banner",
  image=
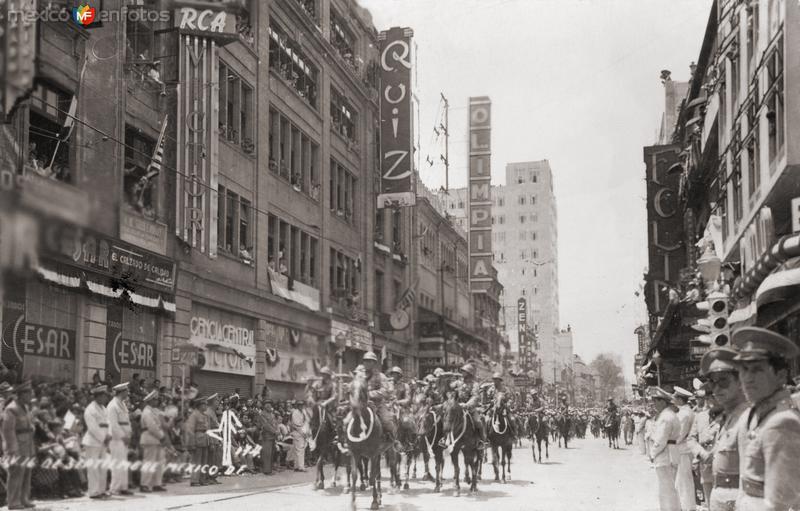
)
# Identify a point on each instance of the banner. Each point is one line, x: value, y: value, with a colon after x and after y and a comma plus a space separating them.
x: 397, y: 145
x: 480, y: 194
x: 227, y: 340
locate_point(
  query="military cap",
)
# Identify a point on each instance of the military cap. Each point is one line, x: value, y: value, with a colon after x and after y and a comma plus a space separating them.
x: 199, y: 400
x: 5, y: 388
x: 534, y: 392
x: 429, y: 378
x: 213, y: 397
x: 396, y: 369
x: 100, y: 389
x: 718, y: 360
x: 497, y: 376
x: 122, y: 387
x: 326, y: 371
x: 659, y: 393
x: 370, y: 356
x: 756, y: 343
x: 681, y: 393
x: 438, y: 372
x: 152, y: 395
x: 469, y: 369
x: 25, y: 386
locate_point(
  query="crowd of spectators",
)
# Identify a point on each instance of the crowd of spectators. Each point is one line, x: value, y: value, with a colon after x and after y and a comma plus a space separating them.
x: 56, y: 411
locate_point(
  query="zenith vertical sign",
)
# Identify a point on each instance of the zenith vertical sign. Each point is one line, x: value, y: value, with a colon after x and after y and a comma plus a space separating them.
x: 480, y: 194
x: 397, y: 149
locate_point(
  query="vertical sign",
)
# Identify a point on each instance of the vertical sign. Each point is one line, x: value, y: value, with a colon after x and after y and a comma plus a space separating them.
x: 17, y: 51
x: 480, y: 194
x: 397, y: 146
x: 197, y: 143
x: 522, y: 322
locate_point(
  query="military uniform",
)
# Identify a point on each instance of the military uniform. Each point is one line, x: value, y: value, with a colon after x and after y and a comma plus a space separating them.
x: 769, y: 436
x: 120, y: 427
x: 214, y: 445
x: 152, y: 447
x: 725, y: 462
x: 664, y: 453
x: 380, y: 393
x: 197, y: 443
x: 95, y: 442
x: 17, y: 431
x: 684, y: 481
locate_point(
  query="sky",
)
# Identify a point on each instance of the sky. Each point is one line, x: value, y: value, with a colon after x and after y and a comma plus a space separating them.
x: 575, y: 82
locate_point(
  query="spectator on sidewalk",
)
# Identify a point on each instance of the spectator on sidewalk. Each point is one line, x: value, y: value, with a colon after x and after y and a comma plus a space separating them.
x: 269, y: 431
x: 120, y: 427
x: 152, y: 442
x: 17, y: 431
x: 197, y: 439
x: 298, y: 432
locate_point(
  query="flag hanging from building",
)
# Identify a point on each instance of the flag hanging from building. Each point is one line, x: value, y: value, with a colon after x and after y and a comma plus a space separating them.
x: 408, y: 298
x: 69, y: 123
x: 158, y: 155
x: 383, y: 354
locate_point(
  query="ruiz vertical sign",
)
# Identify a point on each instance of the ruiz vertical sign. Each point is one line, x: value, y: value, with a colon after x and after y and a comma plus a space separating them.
x: 397, y: 146
x: 197, y: 139
x: 480, y: 194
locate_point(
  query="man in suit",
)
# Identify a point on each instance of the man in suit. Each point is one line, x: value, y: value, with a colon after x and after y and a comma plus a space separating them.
x: 269, y: 432
x: 152, y: 442
x: 17, y: 430
x: 214, y: 445
x: 120, y: 427
x: 769, y: 437
x: 663, y: 449
x: 197, y: 439
x: 95, y: 441
x: 684, y: 481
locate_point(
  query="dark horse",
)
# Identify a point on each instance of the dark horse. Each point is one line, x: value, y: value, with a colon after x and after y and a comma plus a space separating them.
x: 538, y: 432
x: 564, y: 425
x: 365, y: 440
x: 501, y: 437
x: 611, y: 427
x: 462, y: 436
x: 430, y: 431
x: 407, y: 436
x: 323, y: 432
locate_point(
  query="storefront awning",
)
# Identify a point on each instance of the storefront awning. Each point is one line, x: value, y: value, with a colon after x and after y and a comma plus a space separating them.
x: 785, y: 249
x: 743, y: 316
x: 780, y: 285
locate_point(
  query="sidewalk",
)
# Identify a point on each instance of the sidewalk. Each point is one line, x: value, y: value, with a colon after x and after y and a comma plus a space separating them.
x: 181, y: 494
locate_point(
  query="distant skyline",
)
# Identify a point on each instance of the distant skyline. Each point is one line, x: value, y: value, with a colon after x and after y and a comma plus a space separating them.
x: 575, y: 82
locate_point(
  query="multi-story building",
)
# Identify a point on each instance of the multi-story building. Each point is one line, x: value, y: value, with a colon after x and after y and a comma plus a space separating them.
x: 241, y: 259
x: 525, y: 245
x: 737, y: 183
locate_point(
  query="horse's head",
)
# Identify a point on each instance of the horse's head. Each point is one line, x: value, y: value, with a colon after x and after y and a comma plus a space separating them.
x: 358, y: 393
x: 500, y: 402
x: 451, y: 413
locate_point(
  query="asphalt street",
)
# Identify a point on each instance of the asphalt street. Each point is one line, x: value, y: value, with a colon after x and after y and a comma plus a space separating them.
x: 587, y: 476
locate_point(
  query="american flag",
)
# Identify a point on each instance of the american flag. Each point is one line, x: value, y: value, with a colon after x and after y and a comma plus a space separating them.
x: 158, y: 155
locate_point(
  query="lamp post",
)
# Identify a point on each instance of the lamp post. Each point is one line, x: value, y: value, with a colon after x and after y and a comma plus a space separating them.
x: 657, y: 360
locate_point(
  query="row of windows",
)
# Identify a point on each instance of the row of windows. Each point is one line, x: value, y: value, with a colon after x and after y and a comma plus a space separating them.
x: 234, y: 224
x: 344, y: 119
x: 291, y: 251
x: 501, y: 219
x: 342, y: 191
x: 524, y: 255
x: 235, y: 108
x: 343, y: 272
x: 293, y: 155
x: 531, y: 175
x: 288, y: 60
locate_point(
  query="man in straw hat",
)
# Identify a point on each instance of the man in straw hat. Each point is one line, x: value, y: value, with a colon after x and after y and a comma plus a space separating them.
x: 684, y: 481
x: 197, y: 439
x: 722, y: 375
x: 152, y: 442
x: 95, y: 441
x: 18, y: 441
x: 663, y: 449
x: 769, y: 436
x: 120, y: 427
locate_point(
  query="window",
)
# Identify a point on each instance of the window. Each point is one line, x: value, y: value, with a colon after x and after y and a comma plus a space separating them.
x: 344, y: 119
x: 342, y: 38
x: 535, y: 254
x: 461, y: 204
x: 775, y: 107
x: 534, y: 177
x: 521, y: 200
x: 310, y: 8
x: 139, y: 41
x: 736, y: 179
x: 533, y: 200
x: 533, y: 235
x: 379, y: 292
x: 500, y: 201
x: 379, y: 225
x: 342, y: 191
x: 752, y: 36
x: 234, y: 234
x: 734, y: 85
x: 520, y: 176
x: 522, y: 219
x: 46, y: 156
x: 501, y: 219
x: 397, y: 233
x: 343, y: 276
x: 753, y: 168
x: 522, y: 235
x: 293, y: 155
x: 288, y: 60
x: 138, y: 189
x: 235, y: 105
x: 523, y: 254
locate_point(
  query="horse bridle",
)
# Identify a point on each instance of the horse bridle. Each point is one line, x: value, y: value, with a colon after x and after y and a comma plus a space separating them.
x: 429, y: 444
x: 321, y: 422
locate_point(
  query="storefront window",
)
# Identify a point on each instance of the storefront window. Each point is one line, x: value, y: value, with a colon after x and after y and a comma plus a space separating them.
x: 48, y: 341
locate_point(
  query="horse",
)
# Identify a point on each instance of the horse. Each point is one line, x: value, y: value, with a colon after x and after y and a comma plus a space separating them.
x: 407, y: 437
x: 344, y: 457
x: 323, y: 432
x: 430, y: 432
x: 538, y: 432
x: 462, y: 436
x: 627, y: 429
x: 365, y: 440
x: 563, y: 424
x: 501, y: 437
x: 597, y: 426
x: 611, y: 427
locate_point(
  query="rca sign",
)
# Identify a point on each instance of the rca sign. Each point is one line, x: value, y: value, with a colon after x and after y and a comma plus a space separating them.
x: 208, y: 22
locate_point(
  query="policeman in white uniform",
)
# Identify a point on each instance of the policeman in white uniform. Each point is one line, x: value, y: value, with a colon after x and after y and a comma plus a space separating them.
x: 663, y: 449
x: 152, y: 442
x: 95, y: 441
x: 119, y: 425
x: 684, y: 481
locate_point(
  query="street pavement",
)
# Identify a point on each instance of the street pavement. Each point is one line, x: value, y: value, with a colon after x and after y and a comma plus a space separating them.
x: 587, y: 476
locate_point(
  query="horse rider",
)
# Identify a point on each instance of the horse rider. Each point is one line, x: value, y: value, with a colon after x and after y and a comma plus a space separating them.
x: 470, y: 398
x: 380, y: 393
x: 324, y: 393
x: 611, y: 407
x: 499, y: 387
x: 402, y: 390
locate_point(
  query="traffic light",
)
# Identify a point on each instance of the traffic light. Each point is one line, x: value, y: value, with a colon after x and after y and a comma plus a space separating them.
x: 718, y: 318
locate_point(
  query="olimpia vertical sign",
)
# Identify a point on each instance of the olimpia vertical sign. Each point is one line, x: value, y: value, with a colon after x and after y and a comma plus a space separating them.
x: 480, y: 194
